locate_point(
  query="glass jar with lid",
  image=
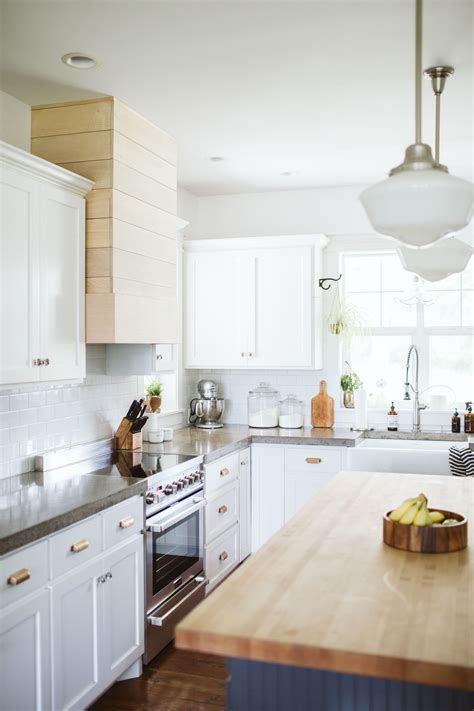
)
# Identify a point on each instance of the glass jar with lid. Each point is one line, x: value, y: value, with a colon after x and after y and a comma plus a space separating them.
x: 291, y: 413
x: 263, y: 404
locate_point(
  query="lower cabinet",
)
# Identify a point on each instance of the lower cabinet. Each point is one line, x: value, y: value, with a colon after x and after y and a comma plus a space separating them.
x: 98, y: 621
x: 25, y: 654
x: 284, y: 479
x: 66, y: 637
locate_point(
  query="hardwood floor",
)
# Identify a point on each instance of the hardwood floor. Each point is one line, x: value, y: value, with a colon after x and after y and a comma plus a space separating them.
x: 174, y: 681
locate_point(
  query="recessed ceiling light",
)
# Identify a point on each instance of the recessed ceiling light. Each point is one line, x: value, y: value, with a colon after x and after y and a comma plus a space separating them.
x: 79, y: 60
x: 216, y: 159
x: 287, y: 173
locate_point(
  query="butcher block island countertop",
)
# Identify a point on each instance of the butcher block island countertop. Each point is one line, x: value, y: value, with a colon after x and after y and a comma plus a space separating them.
x: 326, y: 593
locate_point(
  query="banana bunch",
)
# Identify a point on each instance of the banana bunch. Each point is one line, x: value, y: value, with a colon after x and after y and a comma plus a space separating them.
x: 415, y: 512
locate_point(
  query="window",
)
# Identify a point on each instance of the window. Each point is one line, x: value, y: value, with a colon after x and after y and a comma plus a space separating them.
x: 441, y: 325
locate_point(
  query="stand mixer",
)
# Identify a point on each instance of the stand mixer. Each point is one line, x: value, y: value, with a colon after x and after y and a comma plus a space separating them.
x: 206, y: 410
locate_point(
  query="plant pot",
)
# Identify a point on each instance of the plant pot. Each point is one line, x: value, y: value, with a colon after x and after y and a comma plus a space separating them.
x: 154, y: 402
x: 348, y: 398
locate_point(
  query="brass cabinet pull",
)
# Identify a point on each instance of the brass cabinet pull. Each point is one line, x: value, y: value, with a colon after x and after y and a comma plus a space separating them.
x: 126, y: 522
x: 223, y: 556
x: 313, y: 460
x: 20, y: 576
x: 79, y: 546
x: 224, y: 471
x: 222, y: 509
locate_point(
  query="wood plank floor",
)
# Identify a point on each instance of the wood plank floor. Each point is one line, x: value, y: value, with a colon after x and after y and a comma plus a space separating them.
x: 174, y: 681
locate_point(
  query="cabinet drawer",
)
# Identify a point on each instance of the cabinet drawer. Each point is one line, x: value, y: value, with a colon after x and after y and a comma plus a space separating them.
x: 75, y: 545
x: 221, y: 472
x: 123, y: 521
x: 222, y: 555
x: 222, y: 510
x: 27, y: 571
x: 312, y: 459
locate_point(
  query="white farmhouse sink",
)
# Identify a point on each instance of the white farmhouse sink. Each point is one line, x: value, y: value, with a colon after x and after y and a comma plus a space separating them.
x: 401, y: 455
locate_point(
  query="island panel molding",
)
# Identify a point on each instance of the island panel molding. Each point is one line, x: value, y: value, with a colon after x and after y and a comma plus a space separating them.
x: 131, y: 251
x: 327, y: 593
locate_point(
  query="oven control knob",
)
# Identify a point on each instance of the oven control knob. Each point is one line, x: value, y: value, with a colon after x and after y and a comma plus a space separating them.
x: 168, y: 489
x: 149, y: 498
x: 179, y: 484
x: 185, y: 481
x: 175, y: 487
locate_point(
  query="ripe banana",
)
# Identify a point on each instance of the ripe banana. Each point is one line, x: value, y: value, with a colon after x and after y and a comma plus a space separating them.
x: 409, y: 515
x: 397, y: 513
x: 436, y: 516
x: 423, y: 517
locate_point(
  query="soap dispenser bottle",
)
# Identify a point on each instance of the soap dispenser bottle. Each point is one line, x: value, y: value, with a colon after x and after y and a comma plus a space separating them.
x: 469, y: 419
x: 456, y: 422
x: 392, y: 419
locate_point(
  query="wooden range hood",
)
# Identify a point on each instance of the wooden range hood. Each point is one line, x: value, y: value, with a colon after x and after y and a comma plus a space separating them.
x: 130, y: 215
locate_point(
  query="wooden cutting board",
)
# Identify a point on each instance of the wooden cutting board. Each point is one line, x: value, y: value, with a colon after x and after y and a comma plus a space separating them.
x: 322, y: 408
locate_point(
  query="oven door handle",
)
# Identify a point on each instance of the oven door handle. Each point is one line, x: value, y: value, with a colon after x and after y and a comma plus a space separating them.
x: 165, y: 523
x: 160, y: 621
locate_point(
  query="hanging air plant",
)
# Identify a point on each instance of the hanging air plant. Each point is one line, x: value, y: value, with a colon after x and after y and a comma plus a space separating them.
x: 346, y: 319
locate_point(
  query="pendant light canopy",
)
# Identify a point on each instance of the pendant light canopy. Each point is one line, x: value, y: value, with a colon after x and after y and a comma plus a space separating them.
x: 439, y: 261
x: 420, y: 202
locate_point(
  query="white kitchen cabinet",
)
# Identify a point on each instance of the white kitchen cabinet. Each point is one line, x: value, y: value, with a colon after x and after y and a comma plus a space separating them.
x: 123, y: 609
x: 268, y: 493
x: 77, y: 645
x: 25, y: 655
x: 215, y: 309
x: 252, y: 303
x: 300, y: 487
x: 245, y: 503
x: 41, y: 270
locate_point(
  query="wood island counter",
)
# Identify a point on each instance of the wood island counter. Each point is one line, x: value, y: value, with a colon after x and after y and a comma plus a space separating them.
x: 326, y: 616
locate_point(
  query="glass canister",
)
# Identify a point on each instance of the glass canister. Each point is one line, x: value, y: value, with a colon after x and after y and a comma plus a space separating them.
x: 263, y: 404
x: 291, y: 413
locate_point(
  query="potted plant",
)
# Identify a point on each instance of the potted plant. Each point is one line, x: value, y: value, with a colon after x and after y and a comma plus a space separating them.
x: 350, y: 381
x: 346, y: 319
x: 153, y: 391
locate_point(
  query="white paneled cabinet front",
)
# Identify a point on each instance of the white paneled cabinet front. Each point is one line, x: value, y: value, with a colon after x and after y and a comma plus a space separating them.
x: 25, y: 655
x: 42, y: 243
x: 251, y: 303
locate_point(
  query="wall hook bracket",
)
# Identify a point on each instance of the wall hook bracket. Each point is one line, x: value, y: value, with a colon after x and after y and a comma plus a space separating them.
x: 325, y: 288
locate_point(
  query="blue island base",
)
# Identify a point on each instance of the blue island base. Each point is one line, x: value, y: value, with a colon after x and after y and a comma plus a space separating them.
x: 262, y: 686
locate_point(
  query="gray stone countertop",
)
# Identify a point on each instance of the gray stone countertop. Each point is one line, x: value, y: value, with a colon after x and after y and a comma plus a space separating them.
x: 37, y: 504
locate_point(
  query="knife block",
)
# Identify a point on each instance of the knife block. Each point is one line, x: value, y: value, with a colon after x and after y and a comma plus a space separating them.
x: 124, y: 439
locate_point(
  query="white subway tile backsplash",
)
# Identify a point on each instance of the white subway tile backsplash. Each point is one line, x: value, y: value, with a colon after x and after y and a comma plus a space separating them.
x: 37, y: 399
x: 4, y: 403
x: 19, y: 401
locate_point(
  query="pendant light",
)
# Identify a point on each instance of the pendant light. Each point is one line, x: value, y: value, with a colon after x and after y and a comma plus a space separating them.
x: 449, y: 256
x: 420, y: 202
x: 416, y: 294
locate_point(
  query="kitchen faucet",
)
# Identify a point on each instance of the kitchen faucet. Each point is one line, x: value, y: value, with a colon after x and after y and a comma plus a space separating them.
x: 417, y: 407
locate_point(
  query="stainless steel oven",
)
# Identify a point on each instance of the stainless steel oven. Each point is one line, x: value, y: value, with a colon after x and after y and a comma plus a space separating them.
x: 175, y: 580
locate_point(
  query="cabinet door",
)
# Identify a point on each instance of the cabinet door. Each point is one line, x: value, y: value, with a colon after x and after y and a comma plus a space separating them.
x: 77, y: 644
x: 268, y: 505
x: 19, y: 277
x: 300, y: 487
x: 25, y: 655
x: 281, y: 328
x: 62, y: 251
x: 244, y: 488
x: 215, y: 310
x: 123, y: 608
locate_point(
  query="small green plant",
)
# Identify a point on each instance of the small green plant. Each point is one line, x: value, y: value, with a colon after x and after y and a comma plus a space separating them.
x: 350, y: 381
x: 154, y: 389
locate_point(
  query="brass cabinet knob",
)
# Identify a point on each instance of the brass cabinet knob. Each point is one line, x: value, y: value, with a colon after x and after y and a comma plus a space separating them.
x: 19, y: 577
x: 222, y: 509
x: 79, y: 546
x: 126, y: 522
x: 223, y: 556
x: 224, y: 471
x: 313, y: 460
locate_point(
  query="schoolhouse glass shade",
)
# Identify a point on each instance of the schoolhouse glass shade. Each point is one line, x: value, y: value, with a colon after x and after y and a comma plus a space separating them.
x: 437, y: 262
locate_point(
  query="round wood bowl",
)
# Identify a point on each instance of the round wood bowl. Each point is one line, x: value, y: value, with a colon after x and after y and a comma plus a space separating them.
x: 426, y: 539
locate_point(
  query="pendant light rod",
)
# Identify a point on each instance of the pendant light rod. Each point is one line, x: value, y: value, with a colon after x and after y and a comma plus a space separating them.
x: 438, y: 76
x: 418, y: 69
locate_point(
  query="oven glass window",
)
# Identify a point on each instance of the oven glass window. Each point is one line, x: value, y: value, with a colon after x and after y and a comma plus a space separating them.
x: 174, y: 551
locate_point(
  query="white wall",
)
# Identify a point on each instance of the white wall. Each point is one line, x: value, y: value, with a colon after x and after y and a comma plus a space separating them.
x: 15, y: 121
x: 330, y: 211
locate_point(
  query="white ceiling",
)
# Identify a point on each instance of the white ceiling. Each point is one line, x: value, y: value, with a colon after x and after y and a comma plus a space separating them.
x: 324, y: 89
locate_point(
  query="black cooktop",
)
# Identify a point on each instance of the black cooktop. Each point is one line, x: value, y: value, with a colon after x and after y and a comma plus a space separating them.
x: 127, y: 463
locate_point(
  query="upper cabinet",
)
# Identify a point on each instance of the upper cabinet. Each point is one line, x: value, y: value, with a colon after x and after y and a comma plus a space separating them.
x: 41, y: 270
x: 131, y: 255
x: 253, y: 303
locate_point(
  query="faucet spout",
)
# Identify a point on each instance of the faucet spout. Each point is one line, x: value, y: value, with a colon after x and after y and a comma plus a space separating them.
x: 417, y: 407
